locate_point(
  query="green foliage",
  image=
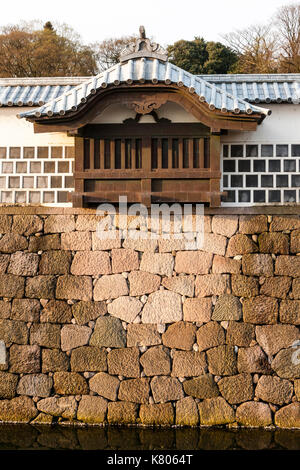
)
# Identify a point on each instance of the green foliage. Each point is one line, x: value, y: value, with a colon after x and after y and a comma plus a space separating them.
x: 200, y: 57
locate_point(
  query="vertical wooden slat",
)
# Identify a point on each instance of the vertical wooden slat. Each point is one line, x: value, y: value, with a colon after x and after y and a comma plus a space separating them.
x: 214, y: 150
x: 133, y: 154
x: 169, y: 153
x: 92, y: 154
x: 159, y: 154
x: 201, y: 153
x: 191, y: 153
x: 180, y: 153
x: 112, y: 154
x: 77, y: 198
x: 122, y: 154
x: 102, y: 153
x: 146, y: 148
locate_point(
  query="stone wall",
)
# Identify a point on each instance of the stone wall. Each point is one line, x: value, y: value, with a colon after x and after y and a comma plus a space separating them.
x: 146, y: 333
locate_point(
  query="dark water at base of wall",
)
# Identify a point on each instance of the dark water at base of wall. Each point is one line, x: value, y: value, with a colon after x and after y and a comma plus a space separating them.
x: 21, y: 437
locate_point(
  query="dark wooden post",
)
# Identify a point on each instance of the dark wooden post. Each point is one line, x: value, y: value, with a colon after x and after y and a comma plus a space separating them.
x: 215, y: 153
x: 77, y: 198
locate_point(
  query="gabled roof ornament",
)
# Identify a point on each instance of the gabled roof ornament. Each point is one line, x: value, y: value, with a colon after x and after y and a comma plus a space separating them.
x: 143, y: 47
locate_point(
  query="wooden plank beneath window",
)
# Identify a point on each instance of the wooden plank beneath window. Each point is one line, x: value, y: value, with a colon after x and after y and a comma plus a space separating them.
x: 139, y: 174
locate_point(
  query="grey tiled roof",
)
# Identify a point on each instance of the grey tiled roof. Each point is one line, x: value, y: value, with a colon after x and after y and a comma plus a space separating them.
x: 139, y: 71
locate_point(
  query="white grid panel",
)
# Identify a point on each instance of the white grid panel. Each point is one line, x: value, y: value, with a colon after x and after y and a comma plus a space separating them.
x: 255, y: 174
x: 22, y: 182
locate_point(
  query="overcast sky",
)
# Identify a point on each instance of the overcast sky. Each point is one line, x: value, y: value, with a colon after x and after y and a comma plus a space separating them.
x: 165, y: 21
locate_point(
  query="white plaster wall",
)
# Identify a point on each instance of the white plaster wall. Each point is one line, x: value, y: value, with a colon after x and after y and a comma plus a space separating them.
x: 282, y: 127
x: 16, y: 132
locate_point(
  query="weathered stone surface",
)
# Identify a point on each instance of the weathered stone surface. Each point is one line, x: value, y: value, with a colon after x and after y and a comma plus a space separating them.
x: 74, y: 287
x: 55, y: 262
x: 139, y: 334
x: 162, y: 307
x: 8, y: 385
x: 3, y: 356
x: 23, y: 264
x: 42, y: 418
x: 25, y: 310
x: 157, y: 263
x: 44, y: 243
x: 286, y: 363
x: 45, y: 334
x: 225, y: 224
x: 254, y: 414
x: 228, y: 307
x: 105, y: 244
x: 24, y: 359
x: 288, y: 416
x: 84, y: 312
x: 124, y: 362
x: 64, y: 407
x: 54, y: 360
x: 213, y: 243
x: 56, y: 311
x: 143, y: 283
x: 296, y: 288
x: 91, y: 263
x: 240, y: 334
x: 5, y: 310
x: 157, y: 414
x: 156, y: 361
x: 193, y: 262
x: 244, y: 286
x: 257, y: 265
x: 180, y: 335
x: 92, y: 410
x: 210, y: 335
x: 289, y: 311
x: 69, y: 383
x: 88, y: 222
x: 201, y: 387
x: 134, y: 390
x: 17, y: 410
x: 295, y: 241
x: 59, y: 223
x: 110, y: 287
x: 211, y: 284
x: 285, y: 222
x: 88, y: 358
x: 35, y: 385
x: 276, y: 286
x: 287, y: 266
x: 274, y: 390
x: 140, y: 244
x: 236, y: 389
x: 197, y: 310
x: 253, y: 360
x: 40, y: 287
x: 215, y: 411
x: 222, y: 360
x: 188, y: 364
x: 122, y: 413
x: 272, y: 338
x: 272, y: 242
x: 4, y: 262
x: 11, y: 286
x: 126, y: 308
x: 165, y: 389
x: 76, y: 241
x: 73, y: 336
x: 13, y: 332
x: 253, y: 224
x: 240, y: 244
x: 187, y: 412
x: 183, y: 285
x: 172, y: 244
x: 123, y: 260
x: 12, y: 242
x: 260, y: 310
x: 108, y: 333
x: 5, y: 223
x: 105, y: 385
x: 297, y: 389
x: 222, y: 265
